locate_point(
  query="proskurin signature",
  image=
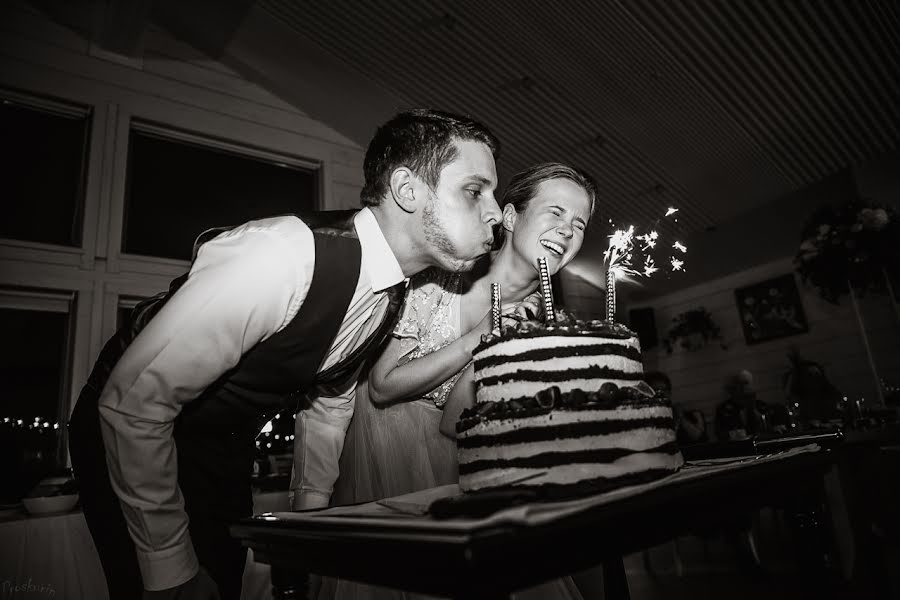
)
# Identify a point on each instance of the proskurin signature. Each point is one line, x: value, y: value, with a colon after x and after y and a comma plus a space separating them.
x: 11, y: 589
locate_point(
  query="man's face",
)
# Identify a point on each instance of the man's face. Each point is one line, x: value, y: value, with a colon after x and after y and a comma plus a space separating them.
x: 461, y: 210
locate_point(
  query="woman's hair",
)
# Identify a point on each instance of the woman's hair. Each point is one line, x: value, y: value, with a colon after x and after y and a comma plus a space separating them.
x: 524, y: 186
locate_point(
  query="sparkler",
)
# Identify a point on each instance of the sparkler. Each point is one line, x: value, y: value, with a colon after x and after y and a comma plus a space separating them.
x: 620, y: 259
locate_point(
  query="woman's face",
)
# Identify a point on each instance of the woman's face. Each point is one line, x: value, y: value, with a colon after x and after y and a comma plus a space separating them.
x: 552, y: 224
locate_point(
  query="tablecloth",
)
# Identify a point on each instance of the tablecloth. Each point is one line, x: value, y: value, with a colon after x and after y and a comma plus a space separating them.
x: 54, y: 557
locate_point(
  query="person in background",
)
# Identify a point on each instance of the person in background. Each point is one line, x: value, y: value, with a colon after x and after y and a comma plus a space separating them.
x: 690, y: 425
x: 741, y: 414
x: 162, y: 436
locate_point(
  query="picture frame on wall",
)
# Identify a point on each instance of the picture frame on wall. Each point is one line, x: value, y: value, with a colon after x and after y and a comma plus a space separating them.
x: 771, y: 309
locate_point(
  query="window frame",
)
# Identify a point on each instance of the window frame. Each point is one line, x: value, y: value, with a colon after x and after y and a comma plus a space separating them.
x: 53, y: 301
x: 88, y: 177
x: 125, y: 261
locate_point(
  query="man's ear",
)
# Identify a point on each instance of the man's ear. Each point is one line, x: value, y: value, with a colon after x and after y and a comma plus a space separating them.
x: 509, y: 217
x: 403, y: 189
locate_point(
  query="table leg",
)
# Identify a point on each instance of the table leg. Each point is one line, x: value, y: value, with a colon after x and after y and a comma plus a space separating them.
x: 615, y: 582
x: 810, y: 527
x: 288, y: 584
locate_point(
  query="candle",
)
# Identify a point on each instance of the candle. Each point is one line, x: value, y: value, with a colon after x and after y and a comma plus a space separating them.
x: 546, y: 291
x: 610, y: 294
x: 495, y: 308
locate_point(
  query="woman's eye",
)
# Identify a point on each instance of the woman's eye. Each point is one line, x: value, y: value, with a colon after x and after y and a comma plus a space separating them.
x: 474, y: 193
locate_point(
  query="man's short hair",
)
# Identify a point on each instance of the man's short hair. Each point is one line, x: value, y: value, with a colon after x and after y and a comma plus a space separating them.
x: 422, y: 140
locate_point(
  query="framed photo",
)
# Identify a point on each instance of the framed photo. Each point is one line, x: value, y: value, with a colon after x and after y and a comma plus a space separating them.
x: 771, y: 309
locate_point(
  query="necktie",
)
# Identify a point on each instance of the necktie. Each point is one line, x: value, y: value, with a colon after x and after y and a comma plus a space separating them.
x: 346, y: 367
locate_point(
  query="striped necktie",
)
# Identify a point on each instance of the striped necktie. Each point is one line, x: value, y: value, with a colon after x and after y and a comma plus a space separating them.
x: 352, y: 353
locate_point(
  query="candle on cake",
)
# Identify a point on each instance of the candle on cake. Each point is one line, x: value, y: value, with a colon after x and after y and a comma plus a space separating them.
x: 495, y: 308
x: 546, y: 290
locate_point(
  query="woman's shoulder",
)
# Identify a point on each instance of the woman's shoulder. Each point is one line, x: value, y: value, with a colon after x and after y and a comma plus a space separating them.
x: 433, y: 282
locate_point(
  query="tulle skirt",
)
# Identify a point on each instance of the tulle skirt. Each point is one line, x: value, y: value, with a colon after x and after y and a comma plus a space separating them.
x: 398, y: 450
x: 393, y: 451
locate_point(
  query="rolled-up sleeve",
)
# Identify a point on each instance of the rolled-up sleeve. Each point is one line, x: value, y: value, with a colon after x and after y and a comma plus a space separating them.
x: 319, y: 433
x: 244, y: 286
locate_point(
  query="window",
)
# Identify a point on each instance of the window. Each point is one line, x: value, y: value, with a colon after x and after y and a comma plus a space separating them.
x: 34, y: 368
x: 179, y: 185
x: 124, y: 308
x: 43, y: 170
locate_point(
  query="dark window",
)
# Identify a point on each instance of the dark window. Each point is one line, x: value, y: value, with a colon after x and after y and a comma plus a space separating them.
x: 42, y: 172
x: 122, y: 315
x: 176, y: 189
x: 33, y: 368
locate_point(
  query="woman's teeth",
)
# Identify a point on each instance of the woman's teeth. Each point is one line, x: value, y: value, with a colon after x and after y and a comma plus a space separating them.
x: 553, y: 247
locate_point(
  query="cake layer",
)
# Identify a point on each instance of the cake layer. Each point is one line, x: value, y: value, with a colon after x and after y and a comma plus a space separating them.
x: 596, y: 476
x: 518, y: 367
x: 564, y: 454
x: 562, y: 364
x: 501, y: 390
x: 555, y: 346
x: 564, y: 424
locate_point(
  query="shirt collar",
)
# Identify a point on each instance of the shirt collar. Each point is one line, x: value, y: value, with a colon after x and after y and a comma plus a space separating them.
x: 378, y: 261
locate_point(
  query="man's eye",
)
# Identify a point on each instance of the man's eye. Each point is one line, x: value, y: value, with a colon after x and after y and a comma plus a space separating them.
x: 556, y: 212
x: 474, y: 193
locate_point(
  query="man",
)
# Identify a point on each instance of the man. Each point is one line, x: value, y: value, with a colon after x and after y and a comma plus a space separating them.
x: 268, y: 311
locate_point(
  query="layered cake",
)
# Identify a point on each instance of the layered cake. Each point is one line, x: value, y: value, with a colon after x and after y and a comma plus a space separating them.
x: 563, y: 409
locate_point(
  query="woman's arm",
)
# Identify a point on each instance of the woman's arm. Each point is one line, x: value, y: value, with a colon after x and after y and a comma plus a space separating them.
x: 391, y: 382
x: 461, y: 397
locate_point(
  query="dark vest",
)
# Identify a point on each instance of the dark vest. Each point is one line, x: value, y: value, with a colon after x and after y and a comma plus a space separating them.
x: 215, y: 432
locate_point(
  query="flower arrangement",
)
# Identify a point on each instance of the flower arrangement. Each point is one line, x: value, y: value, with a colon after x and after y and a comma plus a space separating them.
x: 853, y: 244
x: 692, y: 330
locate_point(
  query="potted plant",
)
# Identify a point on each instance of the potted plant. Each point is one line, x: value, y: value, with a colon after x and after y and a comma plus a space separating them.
x: 692, y: 330
x: 851, y: 248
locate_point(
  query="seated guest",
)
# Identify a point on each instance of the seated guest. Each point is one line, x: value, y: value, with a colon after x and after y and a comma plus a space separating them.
x: 741, y: 414
x: 806, y: 385
x: 690, y: 425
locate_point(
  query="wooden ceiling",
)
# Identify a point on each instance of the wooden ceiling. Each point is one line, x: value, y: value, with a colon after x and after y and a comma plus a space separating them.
x: 713, y: 107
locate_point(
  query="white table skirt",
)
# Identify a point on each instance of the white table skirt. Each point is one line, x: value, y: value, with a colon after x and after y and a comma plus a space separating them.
x: 54, y: 557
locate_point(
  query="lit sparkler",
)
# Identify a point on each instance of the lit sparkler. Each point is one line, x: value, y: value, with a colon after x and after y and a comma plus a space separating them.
x: 620, y: 254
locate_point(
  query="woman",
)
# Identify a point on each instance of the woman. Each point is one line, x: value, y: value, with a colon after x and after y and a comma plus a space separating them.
x: 423, y: 380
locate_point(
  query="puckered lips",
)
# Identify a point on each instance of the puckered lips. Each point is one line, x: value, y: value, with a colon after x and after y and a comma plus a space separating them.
x: 555, y: 248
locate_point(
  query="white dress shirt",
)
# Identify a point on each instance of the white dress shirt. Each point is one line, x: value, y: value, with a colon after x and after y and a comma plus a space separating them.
x: 244, y: 286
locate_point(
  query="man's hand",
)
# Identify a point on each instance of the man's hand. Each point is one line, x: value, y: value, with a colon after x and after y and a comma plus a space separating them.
x: 200, y: 587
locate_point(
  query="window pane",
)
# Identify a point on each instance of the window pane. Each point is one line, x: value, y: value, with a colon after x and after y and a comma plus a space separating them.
x: 122, y: 315
x: 42, y: 173
x: 177, y: 189
x: 124, y: 308
x: 32, y: 368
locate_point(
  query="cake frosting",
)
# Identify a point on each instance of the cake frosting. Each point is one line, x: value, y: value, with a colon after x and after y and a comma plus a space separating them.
x: 563, y: 409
